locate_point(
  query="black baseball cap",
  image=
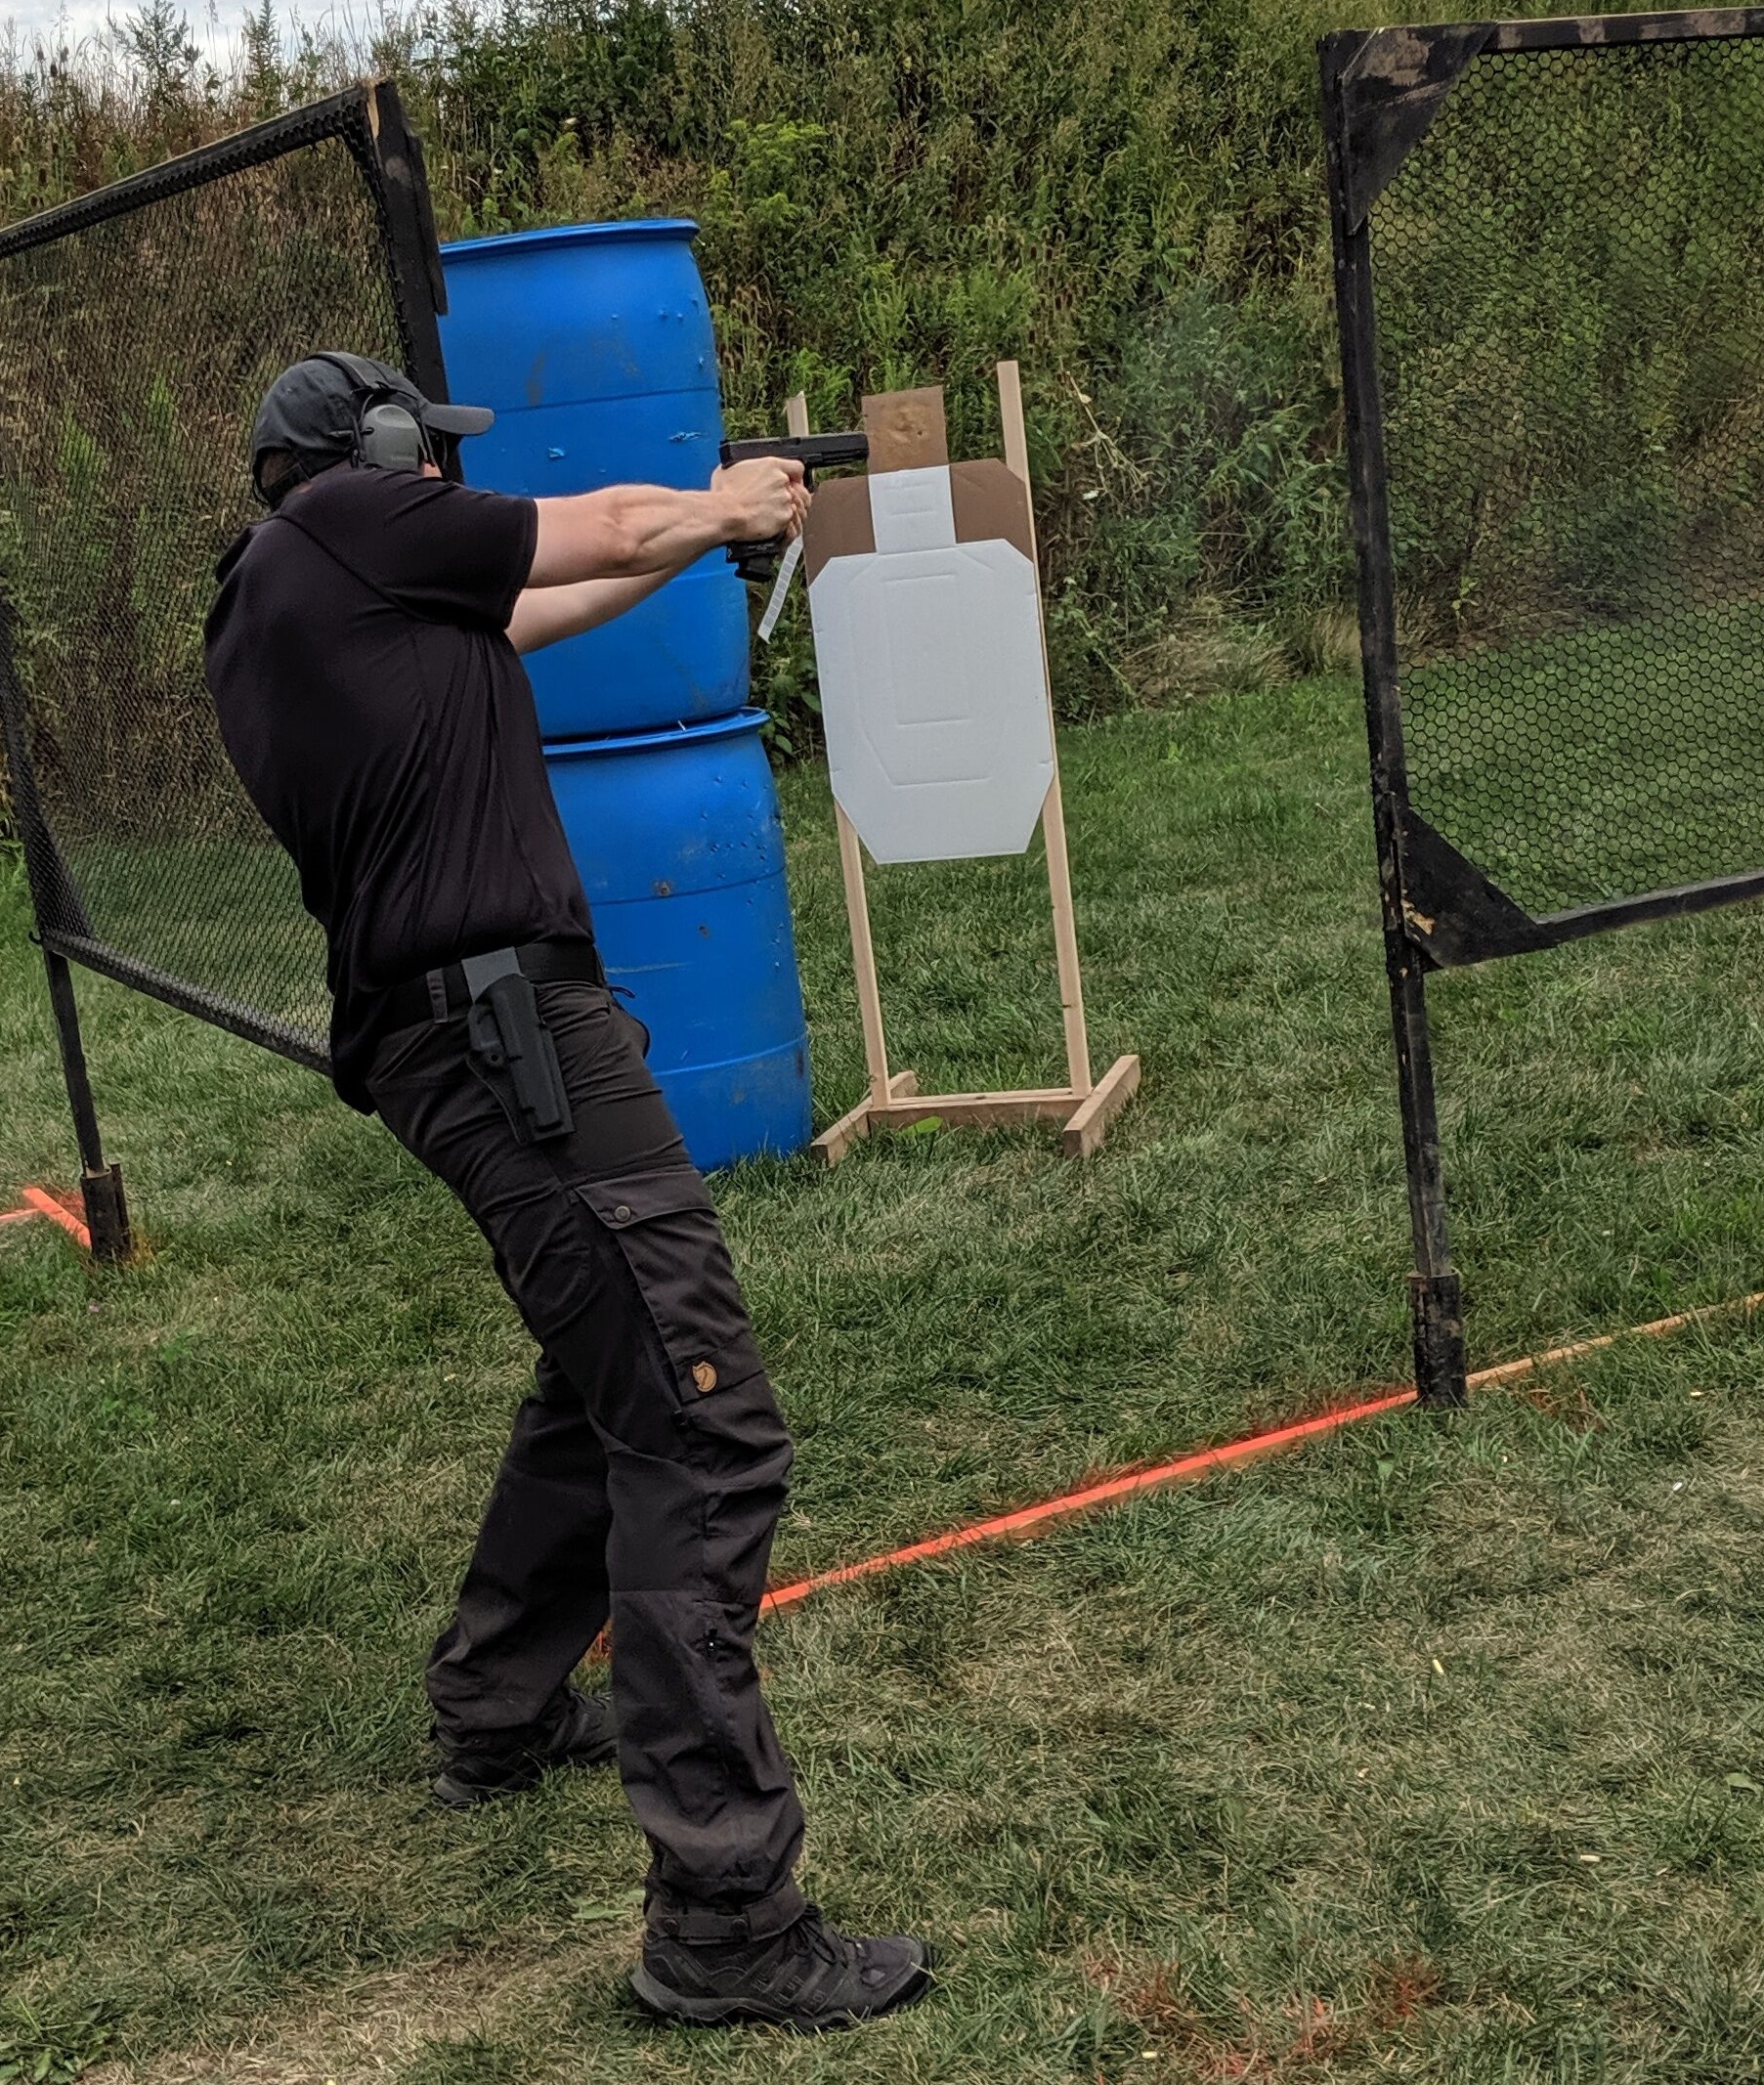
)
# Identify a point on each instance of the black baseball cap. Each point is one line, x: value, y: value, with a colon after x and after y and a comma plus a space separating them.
x: 312, y: 410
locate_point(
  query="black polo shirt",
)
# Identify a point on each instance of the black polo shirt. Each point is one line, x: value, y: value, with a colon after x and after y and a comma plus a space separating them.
x: 382, y: 723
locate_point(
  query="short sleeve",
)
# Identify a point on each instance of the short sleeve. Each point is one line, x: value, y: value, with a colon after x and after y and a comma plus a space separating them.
x: 447, y: 552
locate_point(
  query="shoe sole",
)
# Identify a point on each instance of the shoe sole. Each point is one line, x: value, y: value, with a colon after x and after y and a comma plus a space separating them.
x: 453, y: 1794
x: 658, y: 1999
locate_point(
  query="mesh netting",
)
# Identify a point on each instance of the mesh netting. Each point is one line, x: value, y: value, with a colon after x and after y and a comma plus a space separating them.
x: 1570, y: 275
x: 133, y: 353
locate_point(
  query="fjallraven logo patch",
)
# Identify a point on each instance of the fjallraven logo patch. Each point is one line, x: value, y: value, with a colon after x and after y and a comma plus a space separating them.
x: 703, y: 1375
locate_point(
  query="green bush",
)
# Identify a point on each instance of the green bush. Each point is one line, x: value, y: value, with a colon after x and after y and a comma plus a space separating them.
x: 1127, y: 196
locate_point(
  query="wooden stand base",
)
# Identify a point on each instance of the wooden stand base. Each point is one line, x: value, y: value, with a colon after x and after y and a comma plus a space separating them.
x: 1086, y: 1117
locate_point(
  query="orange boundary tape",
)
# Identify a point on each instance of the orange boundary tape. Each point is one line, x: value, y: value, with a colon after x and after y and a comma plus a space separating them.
x: 46, y: 1203
x: 1032, y: 1520
x: 38, y: 1201
x: 1036, y: 1519
x: 1507, y: 1372
x: 1029, y: 1520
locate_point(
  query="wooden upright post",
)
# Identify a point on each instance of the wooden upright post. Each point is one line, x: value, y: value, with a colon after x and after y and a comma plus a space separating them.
x: 1052, y: 810
x: 857, y: 901
x: 863, y: 956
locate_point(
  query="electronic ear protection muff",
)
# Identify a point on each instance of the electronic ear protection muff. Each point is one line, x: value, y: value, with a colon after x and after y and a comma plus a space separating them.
x: 390, y: 436
x: 310, y: 421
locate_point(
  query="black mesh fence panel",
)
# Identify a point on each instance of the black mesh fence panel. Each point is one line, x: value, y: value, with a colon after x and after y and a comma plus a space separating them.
x: 1568, y: 272
x: 133, y: 347
x: 1549, y: 272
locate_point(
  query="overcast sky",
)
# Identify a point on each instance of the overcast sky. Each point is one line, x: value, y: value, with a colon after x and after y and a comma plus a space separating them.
x: 213, y: 23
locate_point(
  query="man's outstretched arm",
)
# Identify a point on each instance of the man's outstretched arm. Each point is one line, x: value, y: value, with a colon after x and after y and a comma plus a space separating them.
x: 546, y: 615
x: 600, y: 553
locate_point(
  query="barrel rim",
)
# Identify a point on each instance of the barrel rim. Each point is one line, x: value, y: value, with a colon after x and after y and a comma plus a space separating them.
x: 631, y: 227
x: 742, y: 720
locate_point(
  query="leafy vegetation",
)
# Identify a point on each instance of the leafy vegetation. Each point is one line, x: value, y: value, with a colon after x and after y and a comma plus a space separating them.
x: 1128, y: 198
x: 1570, y: 297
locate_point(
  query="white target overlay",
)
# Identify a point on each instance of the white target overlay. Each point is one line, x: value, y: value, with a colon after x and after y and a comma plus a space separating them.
x: 932, y: 687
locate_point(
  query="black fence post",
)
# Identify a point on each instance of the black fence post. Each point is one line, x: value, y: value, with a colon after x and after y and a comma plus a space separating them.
x: 413, y: 253
x: 1435, y: 1299
x: 101, y: 1186
x: 1433, y: 1292
x: 52, y: 898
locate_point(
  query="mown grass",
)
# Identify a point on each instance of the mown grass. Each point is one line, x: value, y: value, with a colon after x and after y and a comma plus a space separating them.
x: 1295, y: 1777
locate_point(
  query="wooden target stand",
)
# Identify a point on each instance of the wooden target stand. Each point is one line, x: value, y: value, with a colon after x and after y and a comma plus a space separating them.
x: 1084, y: 1106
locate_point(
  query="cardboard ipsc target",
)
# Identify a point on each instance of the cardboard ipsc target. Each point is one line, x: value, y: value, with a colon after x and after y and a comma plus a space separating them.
x: 926, y: 600
x: 926, y: 612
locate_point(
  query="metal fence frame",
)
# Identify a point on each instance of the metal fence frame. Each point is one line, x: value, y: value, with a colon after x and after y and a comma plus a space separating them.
x: 369, y: 121
x: 1382, y: 89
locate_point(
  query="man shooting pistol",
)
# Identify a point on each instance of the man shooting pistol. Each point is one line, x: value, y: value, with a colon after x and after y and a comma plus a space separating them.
x: 363, y: 657
x: 813, y: 452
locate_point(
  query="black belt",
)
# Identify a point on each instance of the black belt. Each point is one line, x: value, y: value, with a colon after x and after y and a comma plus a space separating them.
x: 439, y: 994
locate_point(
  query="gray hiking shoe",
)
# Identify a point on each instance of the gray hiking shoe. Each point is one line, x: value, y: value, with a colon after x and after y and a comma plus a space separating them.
x: 577, y: 1732
x: 808, y: 1978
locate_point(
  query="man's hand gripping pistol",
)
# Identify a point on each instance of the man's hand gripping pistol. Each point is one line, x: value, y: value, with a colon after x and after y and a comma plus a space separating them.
x: 814, y: 452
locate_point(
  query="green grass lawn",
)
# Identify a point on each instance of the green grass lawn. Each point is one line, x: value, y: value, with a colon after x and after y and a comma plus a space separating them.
x: 1436, y: 1752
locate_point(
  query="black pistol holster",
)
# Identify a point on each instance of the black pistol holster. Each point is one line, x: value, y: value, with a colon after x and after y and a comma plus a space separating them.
x: 512, y: 1050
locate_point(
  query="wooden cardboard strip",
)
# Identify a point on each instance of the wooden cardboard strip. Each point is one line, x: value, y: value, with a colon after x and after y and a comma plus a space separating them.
x: 839, y: 525
x: 837, y: 1138
x: 977, y: 1110
x: 991, y: 503
x: 1090, y: 1120
x: 906, y: 429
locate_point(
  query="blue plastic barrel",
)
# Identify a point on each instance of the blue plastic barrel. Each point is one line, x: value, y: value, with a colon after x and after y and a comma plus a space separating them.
x: 593, y: 344
x: 681, y: 852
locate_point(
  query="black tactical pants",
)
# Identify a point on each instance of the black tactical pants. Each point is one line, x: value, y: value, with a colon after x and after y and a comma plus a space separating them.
x: 644, y: 1477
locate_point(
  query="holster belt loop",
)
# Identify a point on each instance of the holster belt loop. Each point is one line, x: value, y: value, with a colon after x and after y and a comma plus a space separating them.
x: 437, y: 983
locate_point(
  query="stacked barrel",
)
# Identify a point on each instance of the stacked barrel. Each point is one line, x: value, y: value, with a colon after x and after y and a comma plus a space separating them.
x: 594, y: 344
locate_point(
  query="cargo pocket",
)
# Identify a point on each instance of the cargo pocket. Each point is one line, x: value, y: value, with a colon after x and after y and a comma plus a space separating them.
x: 666, y: 1228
